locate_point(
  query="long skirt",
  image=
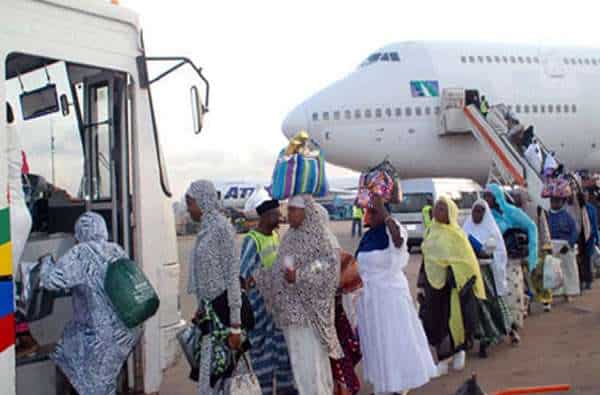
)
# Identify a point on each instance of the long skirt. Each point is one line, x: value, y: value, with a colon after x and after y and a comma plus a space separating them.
x: 495, y: 319
x: 541, y: 294
x: 343, y: 369
x: 515, y: 296
x: 310, y: 361
x: 569, y: 268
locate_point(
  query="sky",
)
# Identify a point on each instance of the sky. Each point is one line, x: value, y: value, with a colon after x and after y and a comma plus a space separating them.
x: 263, y: 58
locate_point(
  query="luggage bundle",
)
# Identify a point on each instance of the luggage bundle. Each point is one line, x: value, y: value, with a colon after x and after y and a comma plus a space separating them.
x: 381, y: 180
x: 557, y: 187
x: 300, y: 169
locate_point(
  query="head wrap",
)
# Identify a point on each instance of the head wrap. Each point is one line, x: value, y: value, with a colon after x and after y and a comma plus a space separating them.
x: 314, y: 296
x: 215, y: 239
x: 91, y: 227
x: 446, y: 246
x: 298, y: 201
x: 484, y: 231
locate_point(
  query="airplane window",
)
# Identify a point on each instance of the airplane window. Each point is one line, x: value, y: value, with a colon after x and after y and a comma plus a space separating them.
x: 378, y: 112
x: 528, y: 59
x: 388, y: 112
x: 558, y: 109
x: 394, y: 57
x: 408, y: 111
x: 566, y: 60
x: 580, y: 61
x: 497, y: 59
x: 542, y: 108
x: 534, y: 108
x: 526, y: 108
x: 463, y: 59
x: 550, y: 108
x: 594, y: 62
x: 418, y: 111
x: 573, y: 61
x: 518, y: 108
x: 471, y: 59
x: 480, y: 59
x: 398, y: 112
x: 437, y: 110
x: 336, y: 115
x: 587, y: 61
x: 427, y: 110
x: 509, y: 107
x: 385, y: 57
x: 488, y: 59
x: 520, y: 59
x: 536, y: 60
x: 326, y: 116
x: 348, y: 114
x: 315, y: 116
x: 357, y: 114
x: 573, y: 108
x: 505, y: 59
x: 566, y: 108
x: 513, y: 59
x: 368, y: 114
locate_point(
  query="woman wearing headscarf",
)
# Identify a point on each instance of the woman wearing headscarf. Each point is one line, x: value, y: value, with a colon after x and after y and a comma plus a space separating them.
x: 346, y: 381
x: 300, y: 293
x: 495, y: 316
x: 96, y: 343
x: 509, y: 217
x: 213, y: 269
x: 397, y: 357
x: 450, y: 266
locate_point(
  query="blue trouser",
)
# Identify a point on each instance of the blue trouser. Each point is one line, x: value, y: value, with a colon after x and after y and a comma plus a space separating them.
x: 356, y: 224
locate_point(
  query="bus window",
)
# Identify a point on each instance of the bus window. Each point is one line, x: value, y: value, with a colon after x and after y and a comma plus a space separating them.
x: 411, y: 203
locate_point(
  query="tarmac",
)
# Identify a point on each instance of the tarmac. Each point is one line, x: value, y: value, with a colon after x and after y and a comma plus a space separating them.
x: 560, y: 347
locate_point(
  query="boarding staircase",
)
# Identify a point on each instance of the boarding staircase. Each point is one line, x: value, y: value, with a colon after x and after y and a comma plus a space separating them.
x: 510, y: 167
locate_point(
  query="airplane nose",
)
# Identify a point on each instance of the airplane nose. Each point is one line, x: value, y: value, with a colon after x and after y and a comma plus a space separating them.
x: 294, y: 122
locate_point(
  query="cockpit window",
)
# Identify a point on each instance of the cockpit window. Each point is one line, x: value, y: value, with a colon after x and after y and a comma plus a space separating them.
x: 381, y: 57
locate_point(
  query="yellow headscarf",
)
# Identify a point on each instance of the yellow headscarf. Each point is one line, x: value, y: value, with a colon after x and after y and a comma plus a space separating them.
x: 446, y: 245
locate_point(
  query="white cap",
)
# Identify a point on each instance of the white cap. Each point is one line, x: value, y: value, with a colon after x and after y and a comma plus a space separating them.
x: 255, y: 200
x: 298, y: 201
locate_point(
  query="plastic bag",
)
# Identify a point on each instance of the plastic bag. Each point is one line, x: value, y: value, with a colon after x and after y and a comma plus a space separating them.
x: 131, y: 294
x: 382, y: 180
x: 34, y: 302
x: 553, y: 275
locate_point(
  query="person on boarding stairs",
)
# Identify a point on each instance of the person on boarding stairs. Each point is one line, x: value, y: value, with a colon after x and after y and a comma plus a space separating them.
x: 396, y: 354
x: 270, y: 359
x: 509, y: 217
x: 495, y: 316
x: 213, y: 269
x: 357, y: 220
x: 484, y: 106
x: 450, y: 266
x: 585, y: 217
x: 299, y: 291
x: 564, y: 238
x: 95, y: 343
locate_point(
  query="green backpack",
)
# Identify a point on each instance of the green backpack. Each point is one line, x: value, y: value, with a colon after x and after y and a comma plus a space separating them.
x: 131, y: 294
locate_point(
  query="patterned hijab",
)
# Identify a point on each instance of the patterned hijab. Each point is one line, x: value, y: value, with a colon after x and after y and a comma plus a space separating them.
x: 310, y: 242
x: 91, y: 227
x: 214, y: 227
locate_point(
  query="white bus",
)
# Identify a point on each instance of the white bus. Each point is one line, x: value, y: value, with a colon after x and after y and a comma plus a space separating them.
x: 76, y: 77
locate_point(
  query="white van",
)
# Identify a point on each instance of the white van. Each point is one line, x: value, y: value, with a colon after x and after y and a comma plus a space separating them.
x: 417, y: 192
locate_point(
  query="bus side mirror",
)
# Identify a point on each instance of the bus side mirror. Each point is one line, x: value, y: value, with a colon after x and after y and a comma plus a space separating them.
x: 64, y: 105
x: 198, y: 109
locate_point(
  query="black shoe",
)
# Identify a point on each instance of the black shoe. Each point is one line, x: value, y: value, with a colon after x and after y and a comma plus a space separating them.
x: 483, y: 351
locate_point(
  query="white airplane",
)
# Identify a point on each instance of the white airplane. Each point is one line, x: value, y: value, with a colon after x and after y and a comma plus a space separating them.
x: 390, y: 106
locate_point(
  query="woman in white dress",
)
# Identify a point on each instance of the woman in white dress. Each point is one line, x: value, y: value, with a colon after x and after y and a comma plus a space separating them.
x: 20, y: 219
x: 396, y: 355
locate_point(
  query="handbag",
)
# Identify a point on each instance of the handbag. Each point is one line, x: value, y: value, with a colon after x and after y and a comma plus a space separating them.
x: 35, y: 302
x: 220, y: 305
x: 189, y: 339
x: 243, y: 383
x: 553, y: 275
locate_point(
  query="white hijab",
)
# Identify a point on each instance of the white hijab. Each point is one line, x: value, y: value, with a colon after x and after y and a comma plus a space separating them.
x: 488, y: 229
